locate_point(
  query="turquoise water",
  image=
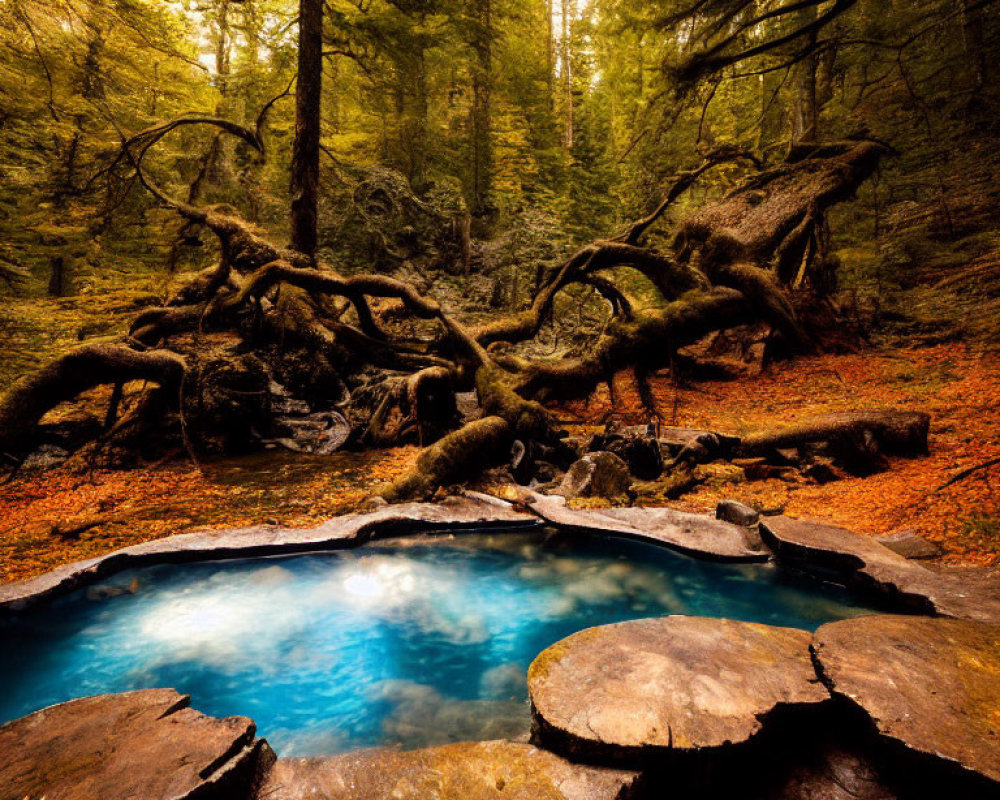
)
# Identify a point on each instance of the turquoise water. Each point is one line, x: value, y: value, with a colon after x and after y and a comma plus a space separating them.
x: 413, y: 642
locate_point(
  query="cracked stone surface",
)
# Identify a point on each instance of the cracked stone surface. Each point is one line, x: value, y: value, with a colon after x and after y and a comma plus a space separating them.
x: 863, y: 562
x: 929, y: 684
x: 676, y: 683
x: 466, y: 771
x: 696, y: 535
x: 143, y: 745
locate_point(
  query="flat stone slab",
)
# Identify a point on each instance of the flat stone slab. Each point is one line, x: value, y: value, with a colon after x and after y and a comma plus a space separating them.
x: 864, y: 562
x: 143, y: 745
x: 639, y: 688
x: 696, y: 535
x: 467, y: 771
x: 932, y: 685
x: 350, y: 530
x: 909, y: 544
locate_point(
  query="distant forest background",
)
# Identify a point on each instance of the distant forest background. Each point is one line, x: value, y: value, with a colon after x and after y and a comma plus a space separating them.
x: 470, y: 144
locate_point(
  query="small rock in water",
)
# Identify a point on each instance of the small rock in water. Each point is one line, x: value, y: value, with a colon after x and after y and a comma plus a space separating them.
x: 107, y: 591
x: 599, y: 474
x: 737, y: 513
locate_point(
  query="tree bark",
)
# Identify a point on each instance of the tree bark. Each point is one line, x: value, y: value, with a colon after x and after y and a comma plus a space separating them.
x: 482, y: 112
x: 550, y: 55
x: 567, y: 73
x: 974, y: 34
x: 805, y: 109
x: 93, y: 365
x: 305, y: 153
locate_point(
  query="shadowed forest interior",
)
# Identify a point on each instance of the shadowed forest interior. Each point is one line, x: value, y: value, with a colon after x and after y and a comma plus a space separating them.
x: 265, y: 261
x: 500, y: 399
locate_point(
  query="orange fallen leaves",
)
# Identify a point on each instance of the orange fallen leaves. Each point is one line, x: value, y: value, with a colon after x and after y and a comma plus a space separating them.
x: 960, y: 389
x: 150, y: 503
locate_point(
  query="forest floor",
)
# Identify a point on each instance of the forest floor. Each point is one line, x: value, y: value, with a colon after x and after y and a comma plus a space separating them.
x: 958, y: 387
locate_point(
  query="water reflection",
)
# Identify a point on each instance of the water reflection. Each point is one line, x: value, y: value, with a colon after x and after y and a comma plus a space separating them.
x: 410, y: 642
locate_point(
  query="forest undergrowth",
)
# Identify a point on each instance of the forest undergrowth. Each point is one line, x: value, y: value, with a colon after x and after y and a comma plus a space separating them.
x: 957, y: 385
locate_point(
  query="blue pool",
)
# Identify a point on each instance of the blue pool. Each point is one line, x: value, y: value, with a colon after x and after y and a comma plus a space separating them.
x: 411, y: 642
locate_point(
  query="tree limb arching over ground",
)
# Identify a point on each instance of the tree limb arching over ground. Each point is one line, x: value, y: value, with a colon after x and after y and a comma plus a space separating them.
x: 267, y: 315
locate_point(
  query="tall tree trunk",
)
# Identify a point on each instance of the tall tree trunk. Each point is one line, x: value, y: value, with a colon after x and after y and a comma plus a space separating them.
x: 220, y: 171
x: 550, y: 54
x: 974, y: 37
x: 805, y: 109
x: 567, y: 72
x: 223, y: 49
x: 416, y: 116
x: 482, y: 112
x: 305, y: 151
x: 640, y: 67
x: 57, y: 277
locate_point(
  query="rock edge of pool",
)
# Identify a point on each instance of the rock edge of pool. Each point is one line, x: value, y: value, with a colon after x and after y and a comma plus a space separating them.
x: 885, y: 706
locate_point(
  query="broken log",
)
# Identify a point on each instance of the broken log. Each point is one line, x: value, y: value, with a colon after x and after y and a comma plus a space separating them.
x: 857, y: 440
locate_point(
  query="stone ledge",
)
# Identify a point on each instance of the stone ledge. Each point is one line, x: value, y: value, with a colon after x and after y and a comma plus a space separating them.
x: 691, y: 534
x: 143, y: 744
x: 351, y: 530
x: 863, y: 563
x: 645, y: 689
x: 930, y: 685
x: 497, y: 770
x: 695, y: 535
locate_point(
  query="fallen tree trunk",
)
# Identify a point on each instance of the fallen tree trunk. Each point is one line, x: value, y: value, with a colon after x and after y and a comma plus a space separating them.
x: 855, y: 441
x: 269, y: 334
x: 891, y: 432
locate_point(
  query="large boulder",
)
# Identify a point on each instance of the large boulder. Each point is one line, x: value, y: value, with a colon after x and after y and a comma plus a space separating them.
x: 737, y: 513
x: 640, y: 451
x: 929, y: 685
x: 144, y: 745
x: 639, y: 690
x: 599, y: 474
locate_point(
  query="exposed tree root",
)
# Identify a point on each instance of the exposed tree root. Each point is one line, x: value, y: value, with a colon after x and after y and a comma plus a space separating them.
x: 456, y: 457
x: 649, y: 341
x: 86, y: 367
x: 270, y: 334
